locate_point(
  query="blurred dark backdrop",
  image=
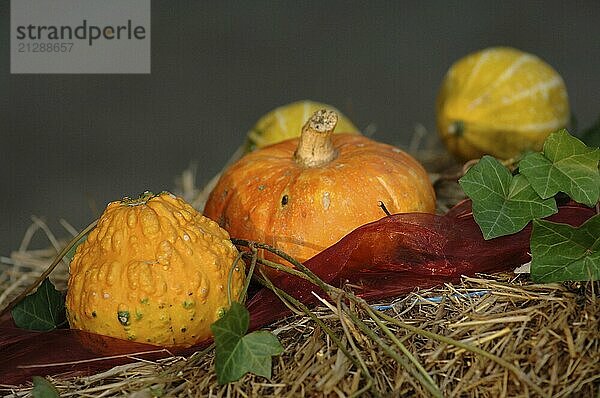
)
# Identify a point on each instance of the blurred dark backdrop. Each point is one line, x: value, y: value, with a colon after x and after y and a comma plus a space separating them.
x: 71, y: 143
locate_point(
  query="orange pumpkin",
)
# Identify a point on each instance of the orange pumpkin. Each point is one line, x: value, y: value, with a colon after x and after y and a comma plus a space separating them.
x: 304, y: 194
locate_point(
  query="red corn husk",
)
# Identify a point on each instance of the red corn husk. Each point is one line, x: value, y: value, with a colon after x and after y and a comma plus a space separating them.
x: 384, y: 259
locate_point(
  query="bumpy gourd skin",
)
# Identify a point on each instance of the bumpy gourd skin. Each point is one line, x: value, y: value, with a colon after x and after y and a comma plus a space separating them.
x: 154, y: 270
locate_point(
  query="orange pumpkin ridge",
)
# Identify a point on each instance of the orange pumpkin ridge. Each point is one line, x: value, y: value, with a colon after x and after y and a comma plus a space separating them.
x: 303, y: 195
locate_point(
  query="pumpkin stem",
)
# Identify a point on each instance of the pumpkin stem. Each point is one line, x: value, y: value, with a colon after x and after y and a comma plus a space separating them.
x: 140, y: 200
x: 315, y: 147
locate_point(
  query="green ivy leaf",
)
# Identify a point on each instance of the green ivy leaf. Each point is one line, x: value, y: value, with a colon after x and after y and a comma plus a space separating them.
x: 560, y: 252
x: 42, y: 310
x: 566, y: 165
x: 42, y: 388
x: 502, y: 203
x: 238, y: 353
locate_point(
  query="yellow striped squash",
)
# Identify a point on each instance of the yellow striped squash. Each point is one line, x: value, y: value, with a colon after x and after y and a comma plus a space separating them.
x: 500, y: 101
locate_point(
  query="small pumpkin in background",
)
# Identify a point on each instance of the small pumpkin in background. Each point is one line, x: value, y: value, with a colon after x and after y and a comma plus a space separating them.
x: 154, y: 270
x: 500, y: 101
x: 304, y: 194
x: 286, y: 121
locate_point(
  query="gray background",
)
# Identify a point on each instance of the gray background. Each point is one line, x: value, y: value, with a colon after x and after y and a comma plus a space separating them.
x: 71, y: 143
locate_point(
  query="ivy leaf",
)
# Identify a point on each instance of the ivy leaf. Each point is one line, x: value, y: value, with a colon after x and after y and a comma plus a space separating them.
x: 238, y: 353
x: 560, y: 252
x: 42, y: 388
x: 502, y: 204
x: 566, y: 165
x: 42, y: 310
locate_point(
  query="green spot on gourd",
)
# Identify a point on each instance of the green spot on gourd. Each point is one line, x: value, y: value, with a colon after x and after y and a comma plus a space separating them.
x: 144, y: 300
x: 188, y: 304
x: 220, y: 312
x: 123, y: 317
x: 138, y: 315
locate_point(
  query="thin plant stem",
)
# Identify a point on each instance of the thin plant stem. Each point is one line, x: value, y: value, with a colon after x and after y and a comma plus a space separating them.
x: 290, y: 306
x: 467, y: 347
x: 367, y: 387
x: 198, y: 355
x: 402, y: 347
x: 349, y: 336
x: 432, y: 388
x: 281, y: 293
x: 283, y: 268
x: 311, y: 275
x: 242, y: 297
x: 238, y: 258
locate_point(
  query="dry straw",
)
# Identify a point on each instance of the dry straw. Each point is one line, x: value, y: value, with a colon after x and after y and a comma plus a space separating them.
x: 489, y: 336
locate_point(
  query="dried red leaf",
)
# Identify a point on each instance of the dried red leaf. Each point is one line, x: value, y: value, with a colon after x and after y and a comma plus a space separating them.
x: 67, y: 352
